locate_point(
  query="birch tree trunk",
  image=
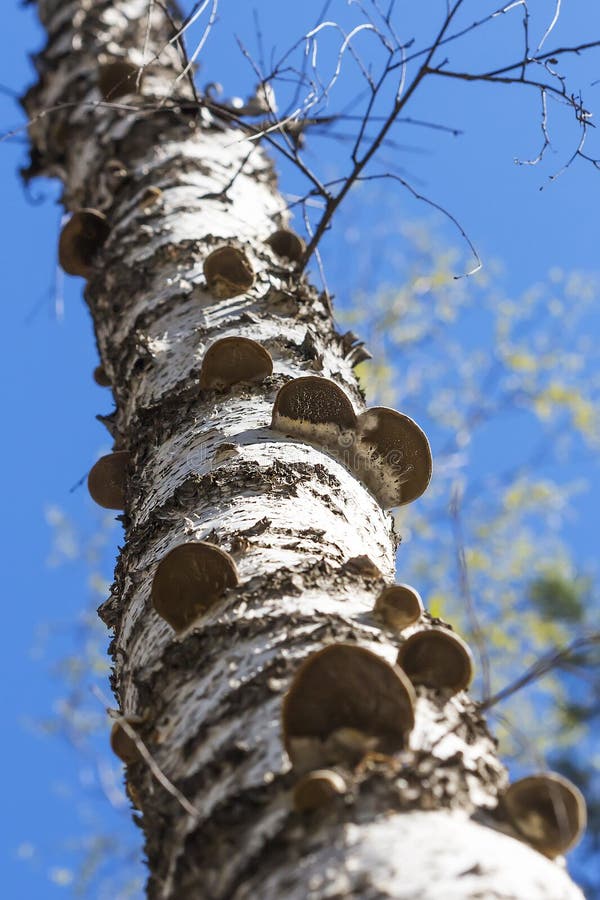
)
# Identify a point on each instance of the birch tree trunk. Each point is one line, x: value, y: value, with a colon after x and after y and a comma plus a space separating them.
x: 205, y: 465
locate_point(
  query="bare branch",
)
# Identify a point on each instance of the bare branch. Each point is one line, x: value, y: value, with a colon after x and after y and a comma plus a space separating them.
x: 549, y: 661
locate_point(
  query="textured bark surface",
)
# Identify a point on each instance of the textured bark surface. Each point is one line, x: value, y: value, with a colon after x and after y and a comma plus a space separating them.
x: 206, y: 466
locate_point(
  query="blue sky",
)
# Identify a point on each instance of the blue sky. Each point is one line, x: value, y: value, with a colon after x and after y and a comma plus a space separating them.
x: 50, y: 400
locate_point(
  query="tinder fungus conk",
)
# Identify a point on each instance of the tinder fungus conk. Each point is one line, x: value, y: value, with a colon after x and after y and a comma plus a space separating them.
x: 393, y: 458
x: 548, y: 811
x: 287, y: 244
x: 189, y: 579
x: 315, y: 410
x: 228, y: 272
x: 341, y: 687
x: 80, y: 240
x: 399, y: 605
x: 318, y: 789
x: 107, y: 478
x: 233, y: 360
x: 437, y: 659
x: 100, y: 377
x: 117, y: 78
x: 121, y: 743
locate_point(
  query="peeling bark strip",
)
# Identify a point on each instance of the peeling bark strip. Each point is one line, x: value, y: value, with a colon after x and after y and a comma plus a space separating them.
x: 178, y: 215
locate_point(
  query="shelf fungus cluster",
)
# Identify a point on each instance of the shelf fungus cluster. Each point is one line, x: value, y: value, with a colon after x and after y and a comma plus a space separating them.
x: 228, y: 272
x: 107, y: 480
x: 122, y: 743
x: 547, y: 811
x: 100, y: 377
x: 317, y: 789
x: 437, y: 658
x: 398, y: 606
x: 345, y: 701
x: 80, y: 240
x: 118, y: 78
x: 315, y: 409
x: 189, y: 580
x: 287, y: 244
x: 387, y: 450
x: 234, y: 360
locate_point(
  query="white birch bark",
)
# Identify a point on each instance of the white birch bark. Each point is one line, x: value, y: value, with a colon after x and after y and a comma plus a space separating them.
x: 206, y: 465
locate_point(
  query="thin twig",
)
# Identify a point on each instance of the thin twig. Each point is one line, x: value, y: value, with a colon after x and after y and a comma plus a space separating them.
x: 467, y: 594
x: 546, y: 663
x: 154, y: 768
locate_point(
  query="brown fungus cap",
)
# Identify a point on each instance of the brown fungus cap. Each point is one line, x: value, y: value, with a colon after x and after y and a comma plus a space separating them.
x: 107, y: 478
x: 437, y: 658
x: 189, y: 579
x: 286, y: 243
x: 117, y: 78
x: 81, y: 238
x: 314, y: 409
x: 318, y: 789
x: 122, y: 744
x: 100, y: 377
x: 228, y: 272
x: 394, y: 456
x: 232, y: 360
x: 548, y: 811
x: 399, y: 605
x: 346, y: 686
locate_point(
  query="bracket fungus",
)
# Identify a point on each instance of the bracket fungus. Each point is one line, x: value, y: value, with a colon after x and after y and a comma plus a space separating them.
x: 121, y: 743
x: 437, y: 658
x: 399, y: 605
x: 81, y: 238
x: 345, y: 687
x: 318, y: 789
x: 287, y: 243
x: 106, y: 480
x: 117, y: 78
x: 315, y: 409
x: 228, y: 272
x: 100, y: 377
x: 548, y: 811
x: 232, y: 360
x: 393, y: 456
x: 189, y: 579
